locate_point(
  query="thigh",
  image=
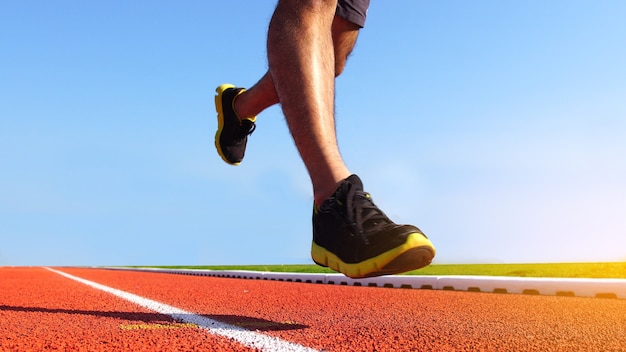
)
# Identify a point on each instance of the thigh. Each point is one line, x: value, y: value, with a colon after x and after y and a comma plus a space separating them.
x: 354, y: 11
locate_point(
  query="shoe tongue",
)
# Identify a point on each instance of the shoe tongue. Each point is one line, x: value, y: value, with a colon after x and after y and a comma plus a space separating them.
x: 356, y: 181
x: 352, y: 182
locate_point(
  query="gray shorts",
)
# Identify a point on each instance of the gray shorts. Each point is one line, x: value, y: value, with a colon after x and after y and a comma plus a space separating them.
x: 354, y: 11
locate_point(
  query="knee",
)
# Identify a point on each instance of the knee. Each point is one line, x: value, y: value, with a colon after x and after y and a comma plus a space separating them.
x: 343, y: 49
x: 310, y: 7
x: 340, y: 64
x: 345, y: 34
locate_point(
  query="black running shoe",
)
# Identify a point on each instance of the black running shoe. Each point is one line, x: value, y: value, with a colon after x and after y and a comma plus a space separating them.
x: 352, y: 236
x: 232, y: 133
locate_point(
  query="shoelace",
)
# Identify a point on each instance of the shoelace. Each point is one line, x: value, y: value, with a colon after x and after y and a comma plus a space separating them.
x: 246, y: 129
x: 360, y: 210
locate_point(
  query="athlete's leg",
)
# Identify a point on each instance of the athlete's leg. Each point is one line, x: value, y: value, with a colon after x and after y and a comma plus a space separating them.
x: 263, y: 94
x: 350, y: 233
x: 345, y: 34
x: 302, y: 65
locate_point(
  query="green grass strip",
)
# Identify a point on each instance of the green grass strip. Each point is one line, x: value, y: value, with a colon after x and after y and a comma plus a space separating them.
x: 562, y: 270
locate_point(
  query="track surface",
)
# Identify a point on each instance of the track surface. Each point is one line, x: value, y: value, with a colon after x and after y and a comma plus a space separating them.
x: 42, y: 310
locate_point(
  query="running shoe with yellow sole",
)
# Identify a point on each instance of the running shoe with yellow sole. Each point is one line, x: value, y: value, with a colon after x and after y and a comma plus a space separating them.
x: 352, y: 236
x: 232, y: 133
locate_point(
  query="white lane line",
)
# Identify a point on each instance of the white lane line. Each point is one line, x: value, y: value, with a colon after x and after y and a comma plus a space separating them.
x: 243, y: 336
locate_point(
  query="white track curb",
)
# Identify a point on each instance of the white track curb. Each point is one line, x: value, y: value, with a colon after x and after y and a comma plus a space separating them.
x: 598, y: 288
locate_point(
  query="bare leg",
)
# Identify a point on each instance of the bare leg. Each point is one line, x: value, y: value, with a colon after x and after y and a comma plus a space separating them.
x: 302, y: 65
x: 263, y: 94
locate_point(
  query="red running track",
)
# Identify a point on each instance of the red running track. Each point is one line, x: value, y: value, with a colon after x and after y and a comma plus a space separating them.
x: 43, y: 310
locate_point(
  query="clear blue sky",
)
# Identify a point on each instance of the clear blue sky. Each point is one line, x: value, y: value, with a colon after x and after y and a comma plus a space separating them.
x: 497, y: 127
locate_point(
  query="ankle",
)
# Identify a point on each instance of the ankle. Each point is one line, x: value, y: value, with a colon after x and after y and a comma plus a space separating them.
x: 237, y: 105
x: 324, y: 191
x: 241, y: 107
x: 319, y: 199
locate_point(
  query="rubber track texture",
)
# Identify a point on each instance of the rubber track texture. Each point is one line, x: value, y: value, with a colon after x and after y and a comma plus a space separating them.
x: 46, y: 309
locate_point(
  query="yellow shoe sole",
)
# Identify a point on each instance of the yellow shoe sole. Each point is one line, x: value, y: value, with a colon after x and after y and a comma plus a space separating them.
x: 416, y: 252
x: 220, y: 119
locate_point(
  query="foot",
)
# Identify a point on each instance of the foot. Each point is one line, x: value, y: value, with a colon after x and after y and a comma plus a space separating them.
x: 232, y: 132
x: 352, y: 236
